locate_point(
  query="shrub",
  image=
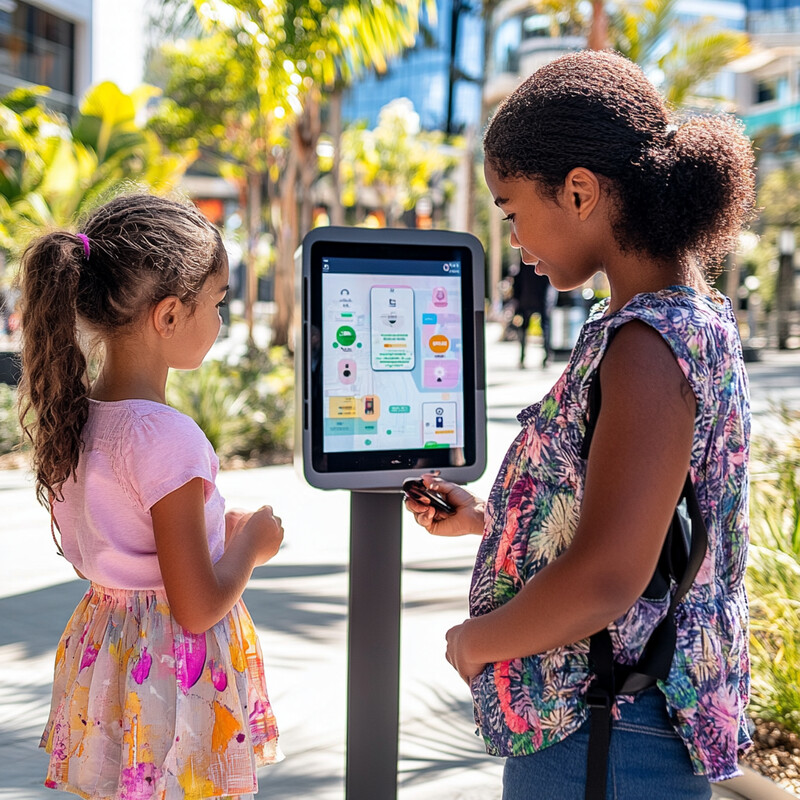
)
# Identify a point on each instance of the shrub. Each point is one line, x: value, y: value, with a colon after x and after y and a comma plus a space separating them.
x: 773, y: 574
x: 10, y: 430
x: 244, y: 408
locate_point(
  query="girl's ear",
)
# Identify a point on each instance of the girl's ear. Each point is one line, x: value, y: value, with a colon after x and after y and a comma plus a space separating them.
x: 165, y: 316
x: 582, y: 191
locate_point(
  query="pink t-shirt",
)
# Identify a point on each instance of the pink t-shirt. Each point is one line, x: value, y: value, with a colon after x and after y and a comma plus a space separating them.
x: 136, y: 452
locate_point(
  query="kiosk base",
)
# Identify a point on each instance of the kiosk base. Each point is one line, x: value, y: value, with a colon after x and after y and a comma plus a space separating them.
x: 373, y: 679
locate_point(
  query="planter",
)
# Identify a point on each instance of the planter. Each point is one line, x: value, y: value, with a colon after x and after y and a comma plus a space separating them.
x: 749, y: 786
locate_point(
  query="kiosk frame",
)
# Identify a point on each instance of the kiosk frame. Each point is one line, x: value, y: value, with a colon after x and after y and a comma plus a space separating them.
x: 374, y: 604
x: 308, y: 424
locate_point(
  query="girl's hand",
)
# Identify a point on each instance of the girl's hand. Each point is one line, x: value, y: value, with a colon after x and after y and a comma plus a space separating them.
x: 235, y: 520
x: 456, y: 655
x: 265, y: 532
x: 468, y: 516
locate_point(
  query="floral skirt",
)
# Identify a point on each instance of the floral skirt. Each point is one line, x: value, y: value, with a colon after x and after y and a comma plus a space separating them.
x: 144, y: 710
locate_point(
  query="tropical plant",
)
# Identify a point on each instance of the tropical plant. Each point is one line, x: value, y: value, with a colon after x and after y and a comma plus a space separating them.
x: 396, y: 159
x: 680, y: 56
x: 53, y: 169
x: 245, y: 407
x: 779, y: 201
x: 302, y: 50
x: 773, y: 576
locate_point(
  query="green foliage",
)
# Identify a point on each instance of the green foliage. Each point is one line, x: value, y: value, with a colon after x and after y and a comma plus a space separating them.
x: 397, y: 160
x: 211, y: 102
x: 699, y: 52
x: 236, y: 90
x: 10, y: 431
x: 773, y: 577
x: 52, y: 169
x: 244, y: 408
x: 653, y: 36
x: 779, y: 199
x: 325, y: 42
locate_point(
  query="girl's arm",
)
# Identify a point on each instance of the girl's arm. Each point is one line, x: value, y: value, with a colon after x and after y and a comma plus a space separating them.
x: 636, y: 469
x: 201, y: 593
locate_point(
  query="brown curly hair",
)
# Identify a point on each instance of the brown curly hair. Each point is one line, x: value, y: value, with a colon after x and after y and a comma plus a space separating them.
x: 142, y: 248
x: 681, y: 190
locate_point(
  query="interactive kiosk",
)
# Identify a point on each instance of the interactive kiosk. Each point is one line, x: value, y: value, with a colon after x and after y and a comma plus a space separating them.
x: 390, y: 385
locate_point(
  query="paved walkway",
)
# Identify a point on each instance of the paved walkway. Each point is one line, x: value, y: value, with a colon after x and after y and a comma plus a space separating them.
x: 299, y: 603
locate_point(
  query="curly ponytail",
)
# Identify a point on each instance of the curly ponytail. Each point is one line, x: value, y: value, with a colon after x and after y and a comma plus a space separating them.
x: 691, y: 194
x: 54, y: 382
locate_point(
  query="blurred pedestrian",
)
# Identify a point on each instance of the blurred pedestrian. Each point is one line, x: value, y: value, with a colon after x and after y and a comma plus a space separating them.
x: 533, y: 294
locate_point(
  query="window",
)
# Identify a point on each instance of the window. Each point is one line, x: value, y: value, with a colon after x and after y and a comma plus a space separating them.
x: 37, y: 46
x: 535, y: 26
x: 769, y: 90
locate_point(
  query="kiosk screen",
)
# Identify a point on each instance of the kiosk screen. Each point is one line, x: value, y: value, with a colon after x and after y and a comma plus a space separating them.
x: 392, y: 344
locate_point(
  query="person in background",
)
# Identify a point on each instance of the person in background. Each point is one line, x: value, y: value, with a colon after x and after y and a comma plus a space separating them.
x: 533, y: 294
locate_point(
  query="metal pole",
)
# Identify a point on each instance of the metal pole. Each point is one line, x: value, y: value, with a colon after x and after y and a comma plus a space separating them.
x: 373, y: 676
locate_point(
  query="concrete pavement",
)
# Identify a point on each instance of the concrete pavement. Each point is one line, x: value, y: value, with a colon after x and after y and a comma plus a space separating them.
x: 299, y: 602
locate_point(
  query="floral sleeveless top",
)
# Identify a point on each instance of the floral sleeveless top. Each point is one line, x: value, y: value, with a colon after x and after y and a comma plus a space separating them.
x: 526, y: 704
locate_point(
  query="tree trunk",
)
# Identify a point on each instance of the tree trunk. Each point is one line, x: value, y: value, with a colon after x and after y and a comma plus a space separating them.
x: 784, y: 298
x: 287, y: 240
x: 598, y: 33
x: 495, y: 229
x: 305, y: 138
x: 335, y: 109
x: 250, y: 279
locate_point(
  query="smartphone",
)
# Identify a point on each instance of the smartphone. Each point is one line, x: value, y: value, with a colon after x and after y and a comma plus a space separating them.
x: 416, y: 490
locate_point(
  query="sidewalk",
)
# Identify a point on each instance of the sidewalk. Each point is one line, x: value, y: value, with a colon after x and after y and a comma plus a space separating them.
x: 299, y: 603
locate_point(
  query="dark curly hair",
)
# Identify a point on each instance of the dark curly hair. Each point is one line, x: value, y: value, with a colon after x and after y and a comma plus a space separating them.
x: 142, y: 248
x: 681, y: 191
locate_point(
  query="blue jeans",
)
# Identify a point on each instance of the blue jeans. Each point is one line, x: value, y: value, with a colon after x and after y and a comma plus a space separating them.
x: 647, y: 761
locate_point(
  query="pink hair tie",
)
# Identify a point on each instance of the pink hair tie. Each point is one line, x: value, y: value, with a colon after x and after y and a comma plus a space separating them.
x: 86, y: 249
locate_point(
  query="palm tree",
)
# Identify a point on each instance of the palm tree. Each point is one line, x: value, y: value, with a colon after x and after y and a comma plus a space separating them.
x: 320, y: 47
x: 652, y: 36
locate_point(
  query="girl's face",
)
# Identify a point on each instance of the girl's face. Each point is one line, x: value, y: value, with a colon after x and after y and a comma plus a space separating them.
x: 199, y: 327
x: 543, y: 230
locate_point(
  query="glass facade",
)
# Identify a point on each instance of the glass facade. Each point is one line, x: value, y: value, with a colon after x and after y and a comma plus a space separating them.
x: 36, y: 47
x: 773, y: 16
x: 422, y: 74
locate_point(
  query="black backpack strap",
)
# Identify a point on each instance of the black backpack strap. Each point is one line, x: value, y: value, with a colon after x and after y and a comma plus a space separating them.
x: 681, y: 556
x: 599, y: 699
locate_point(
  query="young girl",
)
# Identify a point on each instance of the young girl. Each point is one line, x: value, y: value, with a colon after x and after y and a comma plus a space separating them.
x: 159, y: 682
x: 593, y: 175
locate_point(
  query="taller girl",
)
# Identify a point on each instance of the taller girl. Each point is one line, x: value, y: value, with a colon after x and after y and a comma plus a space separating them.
x: 159, y: 684
x: 593, y: 175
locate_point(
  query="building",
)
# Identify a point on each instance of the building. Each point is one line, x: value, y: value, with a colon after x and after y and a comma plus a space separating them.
x: 47, y: 44
x: 522, y: 41
x: 525, y: 39
x: 768, y: 80
x: 441, y: 74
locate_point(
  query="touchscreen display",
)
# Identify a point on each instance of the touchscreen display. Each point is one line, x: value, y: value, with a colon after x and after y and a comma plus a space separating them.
x: 391, y: 349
